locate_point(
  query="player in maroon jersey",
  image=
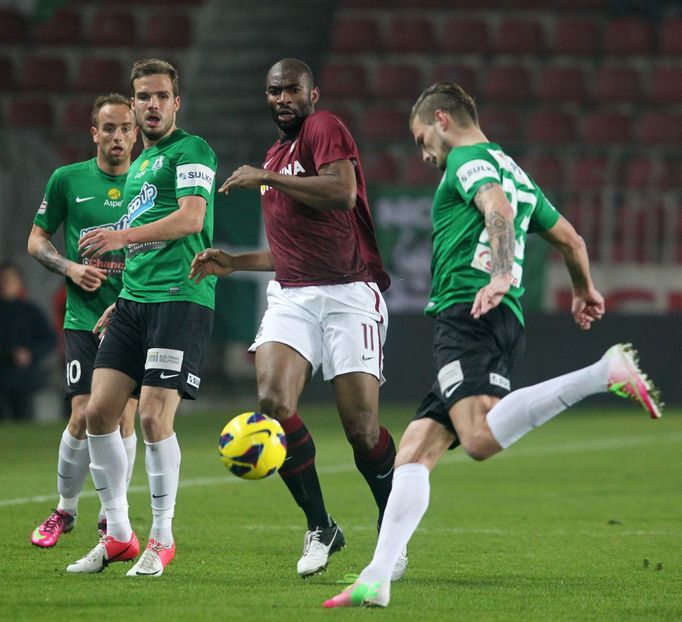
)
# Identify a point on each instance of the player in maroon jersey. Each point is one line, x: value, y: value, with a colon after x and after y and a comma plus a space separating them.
x: 325, y: 306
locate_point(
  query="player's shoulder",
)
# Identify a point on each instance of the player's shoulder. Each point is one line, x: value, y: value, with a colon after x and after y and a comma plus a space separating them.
x: 75, y: 167
x: 193, y: 141
x: 324, y: 119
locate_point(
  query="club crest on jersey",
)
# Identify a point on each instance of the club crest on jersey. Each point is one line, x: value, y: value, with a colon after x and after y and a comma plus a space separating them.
x: 158, y: 163
x: 142, y: 202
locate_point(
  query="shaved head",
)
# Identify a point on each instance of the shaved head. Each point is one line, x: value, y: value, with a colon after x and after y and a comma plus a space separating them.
x: 290, y: 70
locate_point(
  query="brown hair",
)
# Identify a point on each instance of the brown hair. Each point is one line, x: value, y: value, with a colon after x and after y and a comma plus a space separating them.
x: 448, y: 97
x: 152, y: 66
x: 112, y: 98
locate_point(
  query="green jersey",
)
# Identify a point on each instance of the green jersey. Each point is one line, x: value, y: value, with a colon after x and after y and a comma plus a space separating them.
x: 179, y: 165
x: 460, y: 265
x: 83, y: 198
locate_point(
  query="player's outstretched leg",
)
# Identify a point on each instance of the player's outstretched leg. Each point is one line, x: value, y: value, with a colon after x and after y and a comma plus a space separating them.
x: 319, y: 545
x: 627, y: 380
x: 106, y: 552
x: 361, y: 594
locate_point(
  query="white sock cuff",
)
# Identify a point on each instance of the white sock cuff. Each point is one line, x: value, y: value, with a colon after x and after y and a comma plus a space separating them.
x: 112, y: 436
x: 172, y: 439
x: 130, y: 441
x: 413, y: 469
x: 73, y: 442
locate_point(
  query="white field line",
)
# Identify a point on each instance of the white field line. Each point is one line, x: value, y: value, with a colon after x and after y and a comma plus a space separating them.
x: 595, y: 445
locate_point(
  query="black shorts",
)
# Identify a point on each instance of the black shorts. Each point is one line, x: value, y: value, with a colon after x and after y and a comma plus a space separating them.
x: 471, y: 357
x: 158, y: 344
x: 80, y: 350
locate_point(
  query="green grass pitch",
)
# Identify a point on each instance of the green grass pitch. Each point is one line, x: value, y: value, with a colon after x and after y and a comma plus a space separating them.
x: 580, y: 520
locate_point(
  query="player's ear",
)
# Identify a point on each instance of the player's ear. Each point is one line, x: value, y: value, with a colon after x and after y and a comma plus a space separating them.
x: 93, y: 132
x: 315, y: 94
x: 442, y: 119
x: 177, y: 103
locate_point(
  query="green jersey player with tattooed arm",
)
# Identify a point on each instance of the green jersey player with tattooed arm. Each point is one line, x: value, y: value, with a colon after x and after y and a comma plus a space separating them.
x: 157, y: 335
x: 483, y: 208
x: 81, y: 197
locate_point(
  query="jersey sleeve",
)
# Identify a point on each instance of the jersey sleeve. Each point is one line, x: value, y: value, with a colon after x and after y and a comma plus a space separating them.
x: 195, y: 169
x: 328, y: 139
x: 52, y: 210
x: 469, y: 168
x: 544, y: 217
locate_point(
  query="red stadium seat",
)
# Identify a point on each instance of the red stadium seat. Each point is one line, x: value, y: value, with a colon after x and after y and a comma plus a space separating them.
x: 380, y: 167
x: 419, y: 173
x: 464, y: 75
x: 519, y: 36
x: 7, y: 82
x: 642, y: 172
x: 666, y: 85
x: 659, y: 128
x: 12, y: 26
x: 506, y: 83
x: 559, y: 84
x: 352, y: 35
x: 63, y: 28
x: 547, y: 170
x: 168, y: 30
x: 590, y: 173
x: 466, y: 35
x: 577, y: 36
x: 30, y: 113
x: 113, y: 28
x: 604, y: 127
x: 616, y: 84
x: 410, y: 34
x: 398, y: 81
x: 628, y: 35
x: 344, y: 80
x: 551, y: 126
x: 100, y: 75
x: 385, y: 125
x: 44, y: 73
x: 77, y: 115
x: 501, y: 125
x: 671, y: 37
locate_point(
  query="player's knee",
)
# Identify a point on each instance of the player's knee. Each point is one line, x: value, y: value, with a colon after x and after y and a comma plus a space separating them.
x: 475, y: 445
x: 273, y: 404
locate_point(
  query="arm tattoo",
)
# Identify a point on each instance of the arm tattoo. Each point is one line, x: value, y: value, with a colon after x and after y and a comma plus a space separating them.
x: 51, y: 259
x: 500, y: 232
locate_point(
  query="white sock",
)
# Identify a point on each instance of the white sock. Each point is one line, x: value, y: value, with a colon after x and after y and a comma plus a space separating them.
x: 524, y: 409
x: 162, y: 461
x: 73, y: 465
x: 406, y: 505
x: 108, y: 464
x: 130, y: 444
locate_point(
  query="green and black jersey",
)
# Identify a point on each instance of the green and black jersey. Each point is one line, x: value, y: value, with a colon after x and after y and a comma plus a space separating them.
x: 83, y: 198
x: 460, y: 265
x: 179, y: 165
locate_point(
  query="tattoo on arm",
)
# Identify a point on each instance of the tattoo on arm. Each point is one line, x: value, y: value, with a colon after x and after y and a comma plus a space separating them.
x: 500, y: 232
x: 51, y: 259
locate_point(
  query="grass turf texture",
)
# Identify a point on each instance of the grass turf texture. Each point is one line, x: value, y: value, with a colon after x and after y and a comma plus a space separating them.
x: 581, y: 520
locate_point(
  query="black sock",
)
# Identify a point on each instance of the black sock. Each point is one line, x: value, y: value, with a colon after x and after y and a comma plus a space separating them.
x: 299, y: 472
x: 376, y: 467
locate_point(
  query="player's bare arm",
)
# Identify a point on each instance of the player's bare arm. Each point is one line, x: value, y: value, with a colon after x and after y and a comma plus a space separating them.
x: 187, y: 219
x: 103, y: 321
x: 40, y: 246
x: 334, y: 187
x: 214, y: 261
x: 499, y: 223
x: 588, y: 303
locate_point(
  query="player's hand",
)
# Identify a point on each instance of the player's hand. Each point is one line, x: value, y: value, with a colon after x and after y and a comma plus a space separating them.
x: 244, y: 177
x: 100, y: 241
x: 88, y: 278
x: 587, y: 307
x: 212, y: 261
x: 491, y: 295
x: 103, y: 322
x: 21, y: 356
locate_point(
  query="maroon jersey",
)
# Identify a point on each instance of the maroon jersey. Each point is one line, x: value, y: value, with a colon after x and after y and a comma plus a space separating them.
x: 319, y: 247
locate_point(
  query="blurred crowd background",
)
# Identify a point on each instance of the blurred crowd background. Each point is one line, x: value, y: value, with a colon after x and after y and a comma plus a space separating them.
x: 586, y: 95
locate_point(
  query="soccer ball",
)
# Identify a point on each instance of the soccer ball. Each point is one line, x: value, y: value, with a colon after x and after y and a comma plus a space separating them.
x: 252, y: 446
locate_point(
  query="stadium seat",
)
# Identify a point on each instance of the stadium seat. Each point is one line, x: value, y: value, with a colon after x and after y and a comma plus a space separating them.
x: 576, y: 36
x: 100, y: 75
x: 501, y: 125
x: 44, y: 73
x: 466, y: 35
x: 30, y: 113
x: 662, y: 128
x: 628, y: 35
x: 602, y: 127
x: 12, y: 26
x: 352, y: 35
x: 464, y: 75
x: 344, y: 80
x: 666, y: 85
x: 77, y: 115
x: 616, y: 84
x: 380, y: 167
x: 385, y: 125
x: 671, y: 37
x: 168, y: 30
x: 648, y: 171
x: 113, y: 27
x: 506, y: 83
x: 519, y: 36
x: 7, y: 82
x: 410, y: 34
x: 551, y: 126
x: 590, y: 173
x: 547, y: 170
x: 561, y: 84
x: 398, y: 81
x: 63, y: 28
x: 419, y: 173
